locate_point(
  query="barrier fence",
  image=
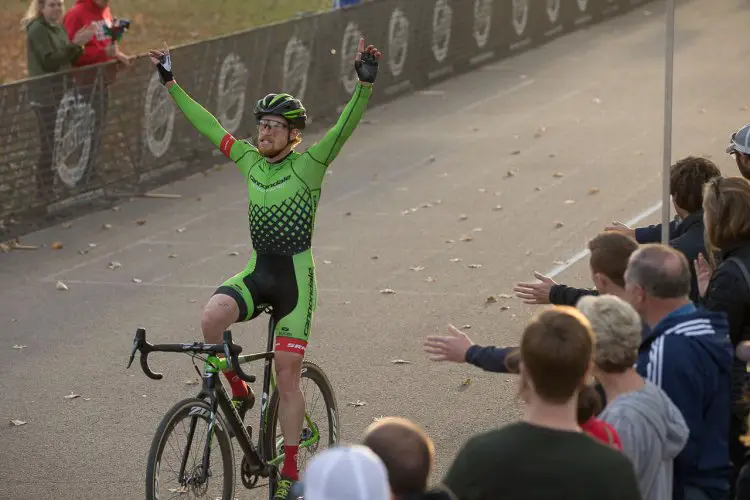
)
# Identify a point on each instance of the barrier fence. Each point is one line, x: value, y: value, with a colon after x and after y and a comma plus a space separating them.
x: 92, y: 133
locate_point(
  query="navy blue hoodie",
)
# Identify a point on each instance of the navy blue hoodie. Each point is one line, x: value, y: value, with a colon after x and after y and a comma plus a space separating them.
x: 688, y: 355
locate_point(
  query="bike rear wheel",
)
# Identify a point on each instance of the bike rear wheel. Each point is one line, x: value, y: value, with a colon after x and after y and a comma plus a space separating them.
x: 319, y: 419
x: 175, y: 462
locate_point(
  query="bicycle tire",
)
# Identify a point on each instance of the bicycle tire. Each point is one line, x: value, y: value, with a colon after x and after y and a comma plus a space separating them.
x: 317, y: 375
x: 179, y: 411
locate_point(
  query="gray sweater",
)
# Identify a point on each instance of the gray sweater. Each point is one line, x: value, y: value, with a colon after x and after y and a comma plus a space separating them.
x: 653, y: 433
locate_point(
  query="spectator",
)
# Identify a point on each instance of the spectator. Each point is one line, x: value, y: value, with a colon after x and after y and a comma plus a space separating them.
x: 589, y: 406
x: 345, y: 473
x: 100, y: 49
x: 609, y: 253
x: 739, y: 147
x: 687, y: 353
x: 727, y: 218
x: 546, y: 455
x: 686, y: 180
x: 49, y: 51
x: 408, y: 454
x: 650, y: 426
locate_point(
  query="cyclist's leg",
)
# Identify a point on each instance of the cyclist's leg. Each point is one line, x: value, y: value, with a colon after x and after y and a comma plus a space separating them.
x: 234, y: 301
x: 295, y: 314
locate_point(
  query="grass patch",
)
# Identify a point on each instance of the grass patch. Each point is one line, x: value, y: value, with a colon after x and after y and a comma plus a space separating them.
x: 176, y: 21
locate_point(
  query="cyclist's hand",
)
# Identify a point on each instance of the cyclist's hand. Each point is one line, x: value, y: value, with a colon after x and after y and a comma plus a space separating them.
x: 621, y: 228
x: 450, y: 348
x: 535, y: 293
x: 163, y: 62
x: 366, y: 62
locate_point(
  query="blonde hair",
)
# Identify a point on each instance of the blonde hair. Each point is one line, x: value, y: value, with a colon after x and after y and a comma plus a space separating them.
x: 618, y: 331
x: 726, y: 207
x: 33, y: 11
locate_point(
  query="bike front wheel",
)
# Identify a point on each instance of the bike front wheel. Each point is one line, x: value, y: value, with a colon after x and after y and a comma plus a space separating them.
x: 321, y: 425
x: 176, y: 458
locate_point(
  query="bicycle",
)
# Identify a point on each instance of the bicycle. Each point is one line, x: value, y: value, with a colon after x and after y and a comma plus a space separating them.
x: 258, y: 461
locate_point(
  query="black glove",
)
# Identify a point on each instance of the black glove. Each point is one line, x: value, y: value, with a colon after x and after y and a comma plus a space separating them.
x: 164, y: 67
x: 366, y: 67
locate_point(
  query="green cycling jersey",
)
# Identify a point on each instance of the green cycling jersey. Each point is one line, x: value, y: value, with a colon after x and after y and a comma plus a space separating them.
x: 283, y: 197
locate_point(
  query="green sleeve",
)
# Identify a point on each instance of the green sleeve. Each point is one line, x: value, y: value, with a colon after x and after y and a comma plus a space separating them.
x: 49, y: 57
x: 326, y: 150
x: 205, y: 123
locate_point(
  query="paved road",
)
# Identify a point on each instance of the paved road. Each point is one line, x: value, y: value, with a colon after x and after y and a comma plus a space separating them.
x: 588, y: 107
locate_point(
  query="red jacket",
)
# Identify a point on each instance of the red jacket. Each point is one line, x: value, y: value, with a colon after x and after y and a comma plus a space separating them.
x: 83, y: 13
x: 602, y: 431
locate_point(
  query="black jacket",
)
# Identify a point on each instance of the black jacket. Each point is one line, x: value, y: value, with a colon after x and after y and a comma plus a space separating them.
x: 728, y: 292
x: 685, y: 236
x: 563, y: 295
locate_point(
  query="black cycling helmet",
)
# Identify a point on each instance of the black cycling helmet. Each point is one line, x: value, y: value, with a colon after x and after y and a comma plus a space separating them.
x: 283, y: 105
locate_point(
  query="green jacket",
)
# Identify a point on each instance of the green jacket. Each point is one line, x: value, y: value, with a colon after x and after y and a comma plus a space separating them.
x: 48, y: 48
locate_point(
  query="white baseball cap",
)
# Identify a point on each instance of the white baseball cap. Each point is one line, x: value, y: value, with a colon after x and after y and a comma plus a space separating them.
x: 346, y: 473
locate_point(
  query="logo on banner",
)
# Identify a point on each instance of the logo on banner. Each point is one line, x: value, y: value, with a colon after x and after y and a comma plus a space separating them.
x: 582, y: 4
x: 442, y: 17
x: 159, y: 117
x: 349, y: 77
x: 398, y: 41
x: 482, y: 21
x: 232, y: 86
x: 74, y: 139
x: 520, y: 15
x: 553, y: 10
x: 296, y: 67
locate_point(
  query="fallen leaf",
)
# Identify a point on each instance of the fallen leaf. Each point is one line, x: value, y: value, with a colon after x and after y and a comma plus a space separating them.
x: 400, y: 362
x: 510, y: 173
x: 463, y: 217
x: 490, y: 300
x: 504, y: 296
x: 482, y: 190
x: 514, y: 153
x: 528, y: 252
x: 477, y: 230
x: 326, y: 262
x: 172, y: 256
x: 551, y: 155
x: 405, y: 212
x: 136, y: 280
x: 92, y: 245
x: 450, y: 241
x: 456, y: 259
x: 191, y: 382
x: 537, y: 188
x: 56, y: 246
x: 374, y: 257
x: 430, y: 279
x: 702, y: 111
x: 417, y: 268
x: 466, y: 382
x: 19, y: 347
x: 61, y: 286
x: 115, y: 209
x: 66, y: 225
x: 558, y: 263
x: 467, y: 238
x: 114, y: 265
x: 569, y: 202
x: 497, y: 208
x: 466, y: 327
x: 181, y: 489
x: 87, y: 399
x: 596, y: 100
x: 17, y: 422
x: 107, y: 226
x: 181, y: 229
x: 426, y: 205
x: 83, y: 251
x: 558, y: 224
x: 504, y: 308
x: 431, y: 159
x: 475, y: 266
x: 357, y: 403
x: 72, y: 396
x: 387, y: 291
x: 593, y: 190
x: 234, y: 254
x: 558, y: 175
x: 438, y: 202
x: 140, y: 222
x: 347, y: 214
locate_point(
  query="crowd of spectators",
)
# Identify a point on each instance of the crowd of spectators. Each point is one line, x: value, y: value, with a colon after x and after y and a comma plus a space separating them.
x: 635, y: 388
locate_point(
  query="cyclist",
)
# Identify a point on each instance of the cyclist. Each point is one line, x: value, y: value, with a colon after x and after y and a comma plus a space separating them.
x: 283, y: 194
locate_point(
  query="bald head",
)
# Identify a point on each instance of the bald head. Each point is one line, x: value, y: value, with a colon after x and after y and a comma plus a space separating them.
x: 407, y: 452
x: 661, y: 271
